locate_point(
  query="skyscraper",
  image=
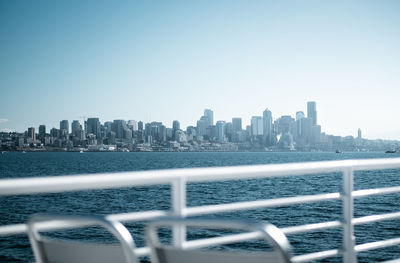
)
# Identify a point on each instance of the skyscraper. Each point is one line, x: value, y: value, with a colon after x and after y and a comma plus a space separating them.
x: 31, y: 133
x: 359, y: 136
x: 75, y: 128
x: 93, y: 126
x: 312, y: 112
x: 133, y: 125
x: 236, y: 124
x: 267, y: 126
x: 210, y: 116
x: 220, y: 125
x: 256, y: 125
x: 64, y: 126
x: 118, y: 127
x: 42, y: 130
x: 176, y: 125
x: 201, y: 127
x: 140, y: 126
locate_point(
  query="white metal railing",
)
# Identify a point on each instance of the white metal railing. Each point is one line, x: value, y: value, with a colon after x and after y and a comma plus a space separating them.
x: 178, y: 178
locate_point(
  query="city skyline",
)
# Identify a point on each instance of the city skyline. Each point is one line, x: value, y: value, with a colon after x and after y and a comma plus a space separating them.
x: 84, y: 118
x: 166, y: 61
x: 264, y: 133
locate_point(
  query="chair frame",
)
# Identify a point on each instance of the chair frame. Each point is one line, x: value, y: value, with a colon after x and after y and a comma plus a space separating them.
x: 270, y: 233
x: 42, y: 222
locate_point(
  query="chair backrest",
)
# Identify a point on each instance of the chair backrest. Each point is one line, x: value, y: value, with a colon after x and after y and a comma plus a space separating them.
x: 49, y: 250
x: 168, y: 254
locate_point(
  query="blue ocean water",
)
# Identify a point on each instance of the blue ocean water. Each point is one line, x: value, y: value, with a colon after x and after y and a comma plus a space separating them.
x: 16, y: 209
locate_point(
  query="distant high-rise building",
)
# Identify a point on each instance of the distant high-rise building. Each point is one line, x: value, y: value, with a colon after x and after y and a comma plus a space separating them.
x: 256, y: 125
x: 42, y: 130
x: 64, y: 125
x: 107, y: 126
x: 359, y: 134
x: 210, y: 116
x: 118, y: 127
x: 315, y: 134
x: 267, y: 126
x: 163, y: 133
x: 31, y: 133
x: 55, y: 133
x: 140, y: 126
x: 284, y: 124
x: 220, y: 125
x: 306, y: 129
x: 229, y: 130
x: 202, y: 127
x: 312, y: 111
x: 93, y: 127
x: 236, y: 124
x: 133, y: 125
x: 76, y: 128
x: 176, y: 125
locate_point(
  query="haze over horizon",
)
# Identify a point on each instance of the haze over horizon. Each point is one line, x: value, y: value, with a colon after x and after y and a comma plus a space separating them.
x: 154, y: 61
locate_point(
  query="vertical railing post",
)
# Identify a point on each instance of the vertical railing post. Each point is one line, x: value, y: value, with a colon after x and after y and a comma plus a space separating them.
x: 178, y: 206
x: 349, y: 255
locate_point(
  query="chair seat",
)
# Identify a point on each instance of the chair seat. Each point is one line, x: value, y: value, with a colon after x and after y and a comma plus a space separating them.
x: 79, y: 252
x: 195, y: 256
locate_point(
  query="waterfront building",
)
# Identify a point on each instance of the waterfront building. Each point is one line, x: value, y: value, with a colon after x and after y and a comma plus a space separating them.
x: 118, y: 127
x: 133, y: 125
x: 211, y: 132
x: 169, y: 133
x: 75, y: 128
x: 220, y: 125
x: 140, y: 126
x: 209, y: 114
x: 128, y: 135
x: 32, y: 134
x: 93, y: 127
x: 202, y: 127
x: 64, y: 125
x: 191, y: 130
x: 306, y: 126
x: 284, y: 124
x: 312, y: 112
x: 180, y: 136
x: 267, y: 127
x: 228, y: 131
x: 236, y: 124
x: 107, y: 127
x: 55, y: 133
x: 176, y: 125
x: 256, y: 125
x: 42, y: 130
x: 163, y: 133
x: 315, y: 134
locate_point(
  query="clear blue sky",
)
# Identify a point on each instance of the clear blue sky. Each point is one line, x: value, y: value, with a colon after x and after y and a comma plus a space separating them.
x: 151, y: 60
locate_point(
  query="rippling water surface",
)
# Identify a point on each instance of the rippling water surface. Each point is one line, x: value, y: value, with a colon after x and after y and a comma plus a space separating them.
x: 16, y: 209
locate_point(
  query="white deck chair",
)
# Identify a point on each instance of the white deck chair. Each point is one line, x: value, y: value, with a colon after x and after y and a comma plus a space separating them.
x: 50, y: 250
x: 161, y: 253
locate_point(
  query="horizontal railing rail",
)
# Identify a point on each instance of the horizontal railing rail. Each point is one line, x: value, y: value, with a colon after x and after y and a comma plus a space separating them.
x: 178, y: 179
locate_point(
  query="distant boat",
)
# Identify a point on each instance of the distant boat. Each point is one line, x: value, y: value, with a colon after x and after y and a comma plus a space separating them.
x: 80, y: 151
x: 338, y: 151
x: 23, y: 152
x: 391, y: 151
